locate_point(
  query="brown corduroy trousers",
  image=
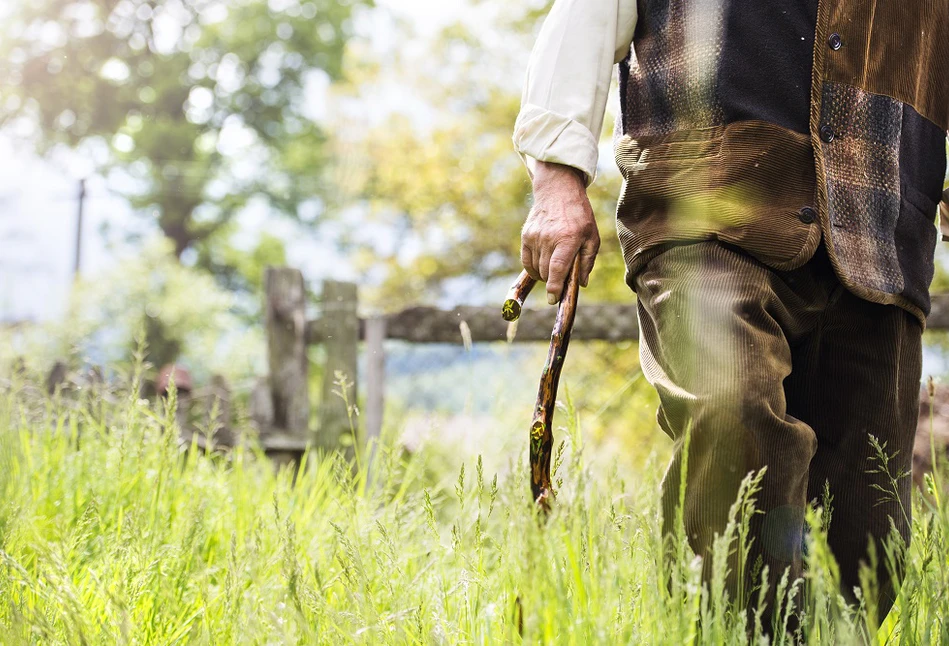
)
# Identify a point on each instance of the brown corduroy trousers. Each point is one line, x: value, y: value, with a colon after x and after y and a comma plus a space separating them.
x: 786, y: 370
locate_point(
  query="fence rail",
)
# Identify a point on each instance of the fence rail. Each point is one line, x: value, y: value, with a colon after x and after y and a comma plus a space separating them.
x: 284, y: 422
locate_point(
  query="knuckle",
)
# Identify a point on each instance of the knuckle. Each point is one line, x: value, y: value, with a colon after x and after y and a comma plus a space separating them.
x: 558, y: 264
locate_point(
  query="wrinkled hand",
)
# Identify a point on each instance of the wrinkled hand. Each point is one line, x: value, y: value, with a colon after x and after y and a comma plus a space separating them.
x: 560, y: 225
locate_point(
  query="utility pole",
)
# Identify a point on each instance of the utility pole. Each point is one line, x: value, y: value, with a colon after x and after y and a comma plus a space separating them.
x: 82, y: 199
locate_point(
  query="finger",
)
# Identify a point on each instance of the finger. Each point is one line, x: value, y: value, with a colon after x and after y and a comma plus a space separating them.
x: 527, y: 260
x: 588, y: 251
x: 559, y: 266
x: 543, y: 264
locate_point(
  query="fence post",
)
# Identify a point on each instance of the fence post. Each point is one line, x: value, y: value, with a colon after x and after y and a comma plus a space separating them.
x: 341, y: 326
x: 286, y: 344
x: 375, y: 376
x: 220, y: 426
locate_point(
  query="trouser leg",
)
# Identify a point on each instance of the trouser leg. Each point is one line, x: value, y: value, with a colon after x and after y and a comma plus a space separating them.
x: 858, y: 376
x: 715, y: 329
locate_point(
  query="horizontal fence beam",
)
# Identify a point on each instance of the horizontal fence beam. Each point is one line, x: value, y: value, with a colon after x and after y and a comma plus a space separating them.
x: 607, y: 322
x: 431, y: 325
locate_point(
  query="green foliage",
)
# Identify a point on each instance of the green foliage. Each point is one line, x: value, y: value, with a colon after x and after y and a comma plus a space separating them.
x: 450, y: 196
x: 179, y: 90
x: 185, y: 314
x: 109, y: 533
x: 461, y: 196
x: 242, y: 270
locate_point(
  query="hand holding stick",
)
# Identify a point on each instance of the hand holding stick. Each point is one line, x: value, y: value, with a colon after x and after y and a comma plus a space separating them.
x: 541, y: 433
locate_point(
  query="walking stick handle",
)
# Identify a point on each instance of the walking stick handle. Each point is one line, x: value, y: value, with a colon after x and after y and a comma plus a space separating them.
x: 516, y: 296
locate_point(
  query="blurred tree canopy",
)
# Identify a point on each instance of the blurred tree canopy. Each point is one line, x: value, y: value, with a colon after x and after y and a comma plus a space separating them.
x: 450, y: 194
x: 200, y: 103
x: 184, y: 314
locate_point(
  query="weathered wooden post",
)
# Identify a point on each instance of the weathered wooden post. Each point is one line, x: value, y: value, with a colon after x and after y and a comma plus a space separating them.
x: 340, y: 327
x: 261, y: 406
x: 375, y: 376
x: 217, y: 413
x: 286, y: 343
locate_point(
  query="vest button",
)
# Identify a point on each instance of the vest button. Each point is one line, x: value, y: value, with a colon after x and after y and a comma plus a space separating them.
x: 835, y: 42
x: 826, y: 134
x: 807, y: 215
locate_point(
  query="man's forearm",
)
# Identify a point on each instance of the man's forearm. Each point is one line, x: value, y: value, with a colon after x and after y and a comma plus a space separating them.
x: 568, y: 80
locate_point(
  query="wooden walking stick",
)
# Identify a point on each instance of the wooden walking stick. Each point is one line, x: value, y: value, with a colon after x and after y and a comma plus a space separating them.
x: 541, y: 433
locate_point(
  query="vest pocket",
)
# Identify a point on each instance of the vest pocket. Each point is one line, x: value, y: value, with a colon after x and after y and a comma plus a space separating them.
x: 744, y: 184
x: 917, y: 200
x: 915, y: 240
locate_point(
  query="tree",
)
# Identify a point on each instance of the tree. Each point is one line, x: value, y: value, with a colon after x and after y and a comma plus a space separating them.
x: 448, y: 196
x: 201, y: 104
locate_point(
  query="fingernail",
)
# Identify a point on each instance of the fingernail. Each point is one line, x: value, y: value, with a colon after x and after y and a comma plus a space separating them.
x: 551, y: 299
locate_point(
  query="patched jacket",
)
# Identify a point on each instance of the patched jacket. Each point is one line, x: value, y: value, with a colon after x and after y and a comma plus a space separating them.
x: 773, y: 124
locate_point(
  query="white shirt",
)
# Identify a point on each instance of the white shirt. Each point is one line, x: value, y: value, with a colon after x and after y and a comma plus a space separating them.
x: 568, y: 81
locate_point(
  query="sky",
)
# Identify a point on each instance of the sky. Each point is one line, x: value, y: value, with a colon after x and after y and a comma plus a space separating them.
x: 38, y: 216
x: 39, y: 199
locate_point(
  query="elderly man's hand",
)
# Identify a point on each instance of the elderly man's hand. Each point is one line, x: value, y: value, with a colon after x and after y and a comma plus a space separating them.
x: 560, y: 225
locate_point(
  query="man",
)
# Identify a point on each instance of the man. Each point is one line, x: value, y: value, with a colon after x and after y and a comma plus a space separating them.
x: 782, y: 165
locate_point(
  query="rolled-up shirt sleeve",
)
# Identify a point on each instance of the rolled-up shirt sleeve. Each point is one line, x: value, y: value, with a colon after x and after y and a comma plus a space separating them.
x: 568, y: 81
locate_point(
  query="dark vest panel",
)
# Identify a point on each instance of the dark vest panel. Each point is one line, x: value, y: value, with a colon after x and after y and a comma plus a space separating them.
x: 765, y: 66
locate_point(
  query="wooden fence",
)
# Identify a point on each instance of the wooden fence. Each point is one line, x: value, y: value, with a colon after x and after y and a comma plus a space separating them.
x: 284, y: 425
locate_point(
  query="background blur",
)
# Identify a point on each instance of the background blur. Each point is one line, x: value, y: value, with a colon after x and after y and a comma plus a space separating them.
x: 203, y: 140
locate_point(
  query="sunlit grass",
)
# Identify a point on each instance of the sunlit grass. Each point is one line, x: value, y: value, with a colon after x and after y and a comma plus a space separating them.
x: 112, y: 534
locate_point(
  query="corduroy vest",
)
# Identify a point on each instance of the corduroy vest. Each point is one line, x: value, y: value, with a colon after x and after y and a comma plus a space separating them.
x: 771, y: 124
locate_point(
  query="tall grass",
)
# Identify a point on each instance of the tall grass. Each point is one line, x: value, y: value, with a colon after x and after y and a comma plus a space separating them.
x: 113, y: 534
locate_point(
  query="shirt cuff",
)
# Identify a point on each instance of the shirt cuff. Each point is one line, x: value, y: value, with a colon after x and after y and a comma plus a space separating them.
x: 547, y: 136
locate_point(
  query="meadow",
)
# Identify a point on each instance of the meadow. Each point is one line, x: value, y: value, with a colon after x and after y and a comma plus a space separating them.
x: 113, y: 533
